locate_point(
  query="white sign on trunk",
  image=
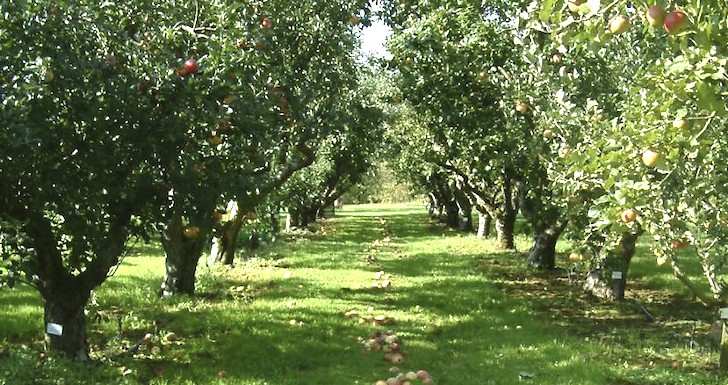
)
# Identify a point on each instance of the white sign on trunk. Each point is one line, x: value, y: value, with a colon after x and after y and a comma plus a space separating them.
x: 54, y: 329
x: 724, y: 313
x: 617, y: 275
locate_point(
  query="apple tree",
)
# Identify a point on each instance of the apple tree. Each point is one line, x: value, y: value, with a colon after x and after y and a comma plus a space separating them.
x: 654, y: 168
x: 342, y: 161
x: 82, y: 151
x: 275, y: 72
x: 449, y: 63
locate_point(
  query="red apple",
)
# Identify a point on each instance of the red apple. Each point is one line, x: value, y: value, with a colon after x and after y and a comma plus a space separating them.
x: 628, y: 215
x: 619, y: 24
x: 394, y: 346
x: 266, y: 23
x: 422, y: 374
x: 677, y: 244
x: 675, y: 21
x: 655, y: 16
x: 158, y: 370
x: 222, y: 373
x: 191, y: 66
x: 428, y: 381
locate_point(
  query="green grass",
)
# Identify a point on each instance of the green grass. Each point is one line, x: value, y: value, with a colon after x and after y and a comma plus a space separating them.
x: 467, y: 313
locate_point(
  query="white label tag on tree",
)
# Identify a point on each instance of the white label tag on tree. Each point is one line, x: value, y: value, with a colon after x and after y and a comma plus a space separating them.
x: 617, y: 275
x: 54, y: 329
x: 724, y: 312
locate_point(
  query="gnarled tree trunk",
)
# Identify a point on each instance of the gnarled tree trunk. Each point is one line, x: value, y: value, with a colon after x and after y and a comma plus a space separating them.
x: 607, y: 277
x: 465, y: 211
x: 182, y: 254
x: 484, y: 222
x: 504, y: 228
x: 542, y: 254
x: 65, y: 319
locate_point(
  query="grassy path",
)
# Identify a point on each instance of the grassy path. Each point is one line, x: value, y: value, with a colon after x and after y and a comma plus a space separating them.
x: 464, y: 312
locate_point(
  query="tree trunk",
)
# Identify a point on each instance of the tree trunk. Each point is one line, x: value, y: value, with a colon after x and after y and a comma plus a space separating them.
x: 224, y: 245
x: 452, y: 216
x: 182, y: 255
x: 65, y: 320
x: 465, y: 212
x: 275, y: 224
x: 484, y: 221
x: 607, y: 277
x: 504, y: 227
x: 291, y: 221
x: 543, y: 252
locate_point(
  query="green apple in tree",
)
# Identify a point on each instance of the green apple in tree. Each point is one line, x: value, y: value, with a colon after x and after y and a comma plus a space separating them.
x: 574, y: 5
x: 680, y: 123
x: 619, y: 24
x: 655, y: 16
x: 651, y: 158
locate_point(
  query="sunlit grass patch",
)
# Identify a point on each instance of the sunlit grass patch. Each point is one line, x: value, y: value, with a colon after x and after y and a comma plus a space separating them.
x: 300, y: 310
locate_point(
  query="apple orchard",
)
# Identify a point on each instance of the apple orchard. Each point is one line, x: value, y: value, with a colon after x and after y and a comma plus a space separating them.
x: 599, y: 124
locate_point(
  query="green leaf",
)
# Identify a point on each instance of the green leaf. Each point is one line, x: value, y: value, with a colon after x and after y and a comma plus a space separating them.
x: 707, y: 99
x: 547, y: 8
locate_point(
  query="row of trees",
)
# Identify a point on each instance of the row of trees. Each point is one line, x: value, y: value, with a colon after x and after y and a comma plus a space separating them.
x: 154, y: 119
x: 594, y: 121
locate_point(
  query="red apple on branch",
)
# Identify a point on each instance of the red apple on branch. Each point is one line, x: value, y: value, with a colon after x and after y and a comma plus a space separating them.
x: 675, y: 21
x: 191, y: 66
